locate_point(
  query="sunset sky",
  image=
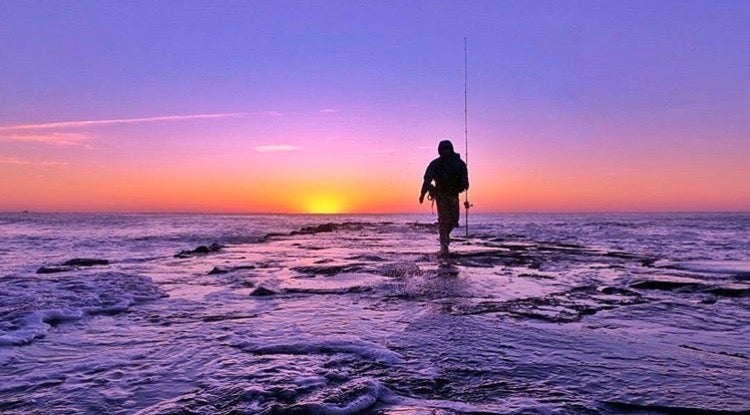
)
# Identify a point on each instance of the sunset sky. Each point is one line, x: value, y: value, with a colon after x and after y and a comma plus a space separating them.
x: 338, y: 106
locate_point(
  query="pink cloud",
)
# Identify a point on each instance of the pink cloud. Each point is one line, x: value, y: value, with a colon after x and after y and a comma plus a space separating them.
x: 89, y: 123
x: 22, y: 162
x: 276, y: 148
x: 67, y: 139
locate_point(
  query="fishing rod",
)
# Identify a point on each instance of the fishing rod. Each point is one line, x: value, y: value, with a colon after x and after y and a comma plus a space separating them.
x: 467, y: 205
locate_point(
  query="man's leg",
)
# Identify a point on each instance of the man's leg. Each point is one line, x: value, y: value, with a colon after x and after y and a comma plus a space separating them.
x: 446, y: 221
x: 442, y: 224
x: 455, y: 212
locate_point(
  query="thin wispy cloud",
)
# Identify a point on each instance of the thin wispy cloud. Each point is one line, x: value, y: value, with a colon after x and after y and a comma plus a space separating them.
x: 66, y: 139
x: 22, y: 162
x: 274, y: 114
x: 276, y: 148
x: 90, y: 123
x: 385, y: 151
x: 11, y: 160
x: 328, y: 111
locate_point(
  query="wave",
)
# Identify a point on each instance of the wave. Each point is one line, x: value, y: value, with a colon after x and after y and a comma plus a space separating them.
x: 362, y: 400
x: 364, y: 349
x: 32, y: 306
x: 711, y: 267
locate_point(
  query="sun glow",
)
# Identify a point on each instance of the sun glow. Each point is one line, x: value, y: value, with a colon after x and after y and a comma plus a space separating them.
x: 324, y: 205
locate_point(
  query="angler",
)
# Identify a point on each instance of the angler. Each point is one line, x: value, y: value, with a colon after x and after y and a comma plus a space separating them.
x: 450, y: 177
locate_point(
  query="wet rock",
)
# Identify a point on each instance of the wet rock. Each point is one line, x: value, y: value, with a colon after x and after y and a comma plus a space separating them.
x: 367, y: 257
x: 619, y: 291
x: 326, y: 227
x: 721, y: 352
x: 313, y: 248
x: 737, y: 355
x: 628, y: 407
x: 621, y: 255
x: 201, y: 250
x: 308, y: 230
x: 561, y: 307
x: 226, y: 317
x: 245, y: 284
x: 329, y: 291
x: 735, y: 291
x: 400, y: 269
x: 273, y: 235
x: 262, y: 292
x: 52, y: 270
x: 421, y: 225
x: 536, y: 276
x: 648, y: 262
x: 327, y: 270
x: 71, y: 265
x: 488, y: 258
x: 665, y: 284
x: 220, y: 270
x: 85, y: 262
x: 570, y: 246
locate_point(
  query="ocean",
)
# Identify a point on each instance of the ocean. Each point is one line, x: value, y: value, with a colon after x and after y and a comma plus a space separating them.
x: 357, y: 314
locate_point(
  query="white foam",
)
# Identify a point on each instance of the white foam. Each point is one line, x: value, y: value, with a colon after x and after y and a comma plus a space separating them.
x: 510, y: 406
x: 37, y: 324
x: 366, y: 400
x: 119, y: 307
x: 68, y: 298
x: 713, y: 267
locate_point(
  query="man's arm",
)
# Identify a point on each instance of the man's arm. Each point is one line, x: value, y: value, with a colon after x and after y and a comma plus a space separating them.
x: 429, y: 176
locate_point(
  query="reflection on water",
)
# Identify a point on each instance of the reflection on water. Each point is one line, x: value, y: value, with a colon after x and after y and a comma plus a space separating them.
x: 589, y: 314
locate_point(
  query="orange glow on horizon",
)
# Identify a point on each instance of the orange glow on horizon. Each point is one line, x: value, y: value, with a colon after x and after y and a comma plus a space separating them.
x: 301, y: 183
x: 324, y: 204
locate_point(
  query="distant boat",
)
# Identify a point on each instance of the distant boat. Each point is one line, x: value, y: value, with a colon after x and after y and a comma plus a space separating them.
x: 25, y: 211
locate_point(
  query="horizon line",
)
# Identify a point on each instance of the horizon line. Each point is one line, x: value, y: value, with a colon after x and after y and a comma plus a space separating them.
x: 508, y: 212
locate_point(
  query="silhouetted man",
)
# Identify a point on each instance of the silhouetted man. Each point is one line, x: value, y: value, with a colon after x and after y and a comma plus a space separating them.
x: 451, y: 178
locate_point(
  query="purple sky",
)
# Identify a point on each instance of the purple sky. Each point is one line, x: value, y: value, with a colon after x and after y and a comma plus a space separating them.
x: 595, y: 105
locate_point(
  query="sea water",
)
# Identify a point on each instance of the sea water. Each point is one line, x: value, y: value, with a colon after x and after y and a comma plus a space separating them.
x: 531, y: 314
